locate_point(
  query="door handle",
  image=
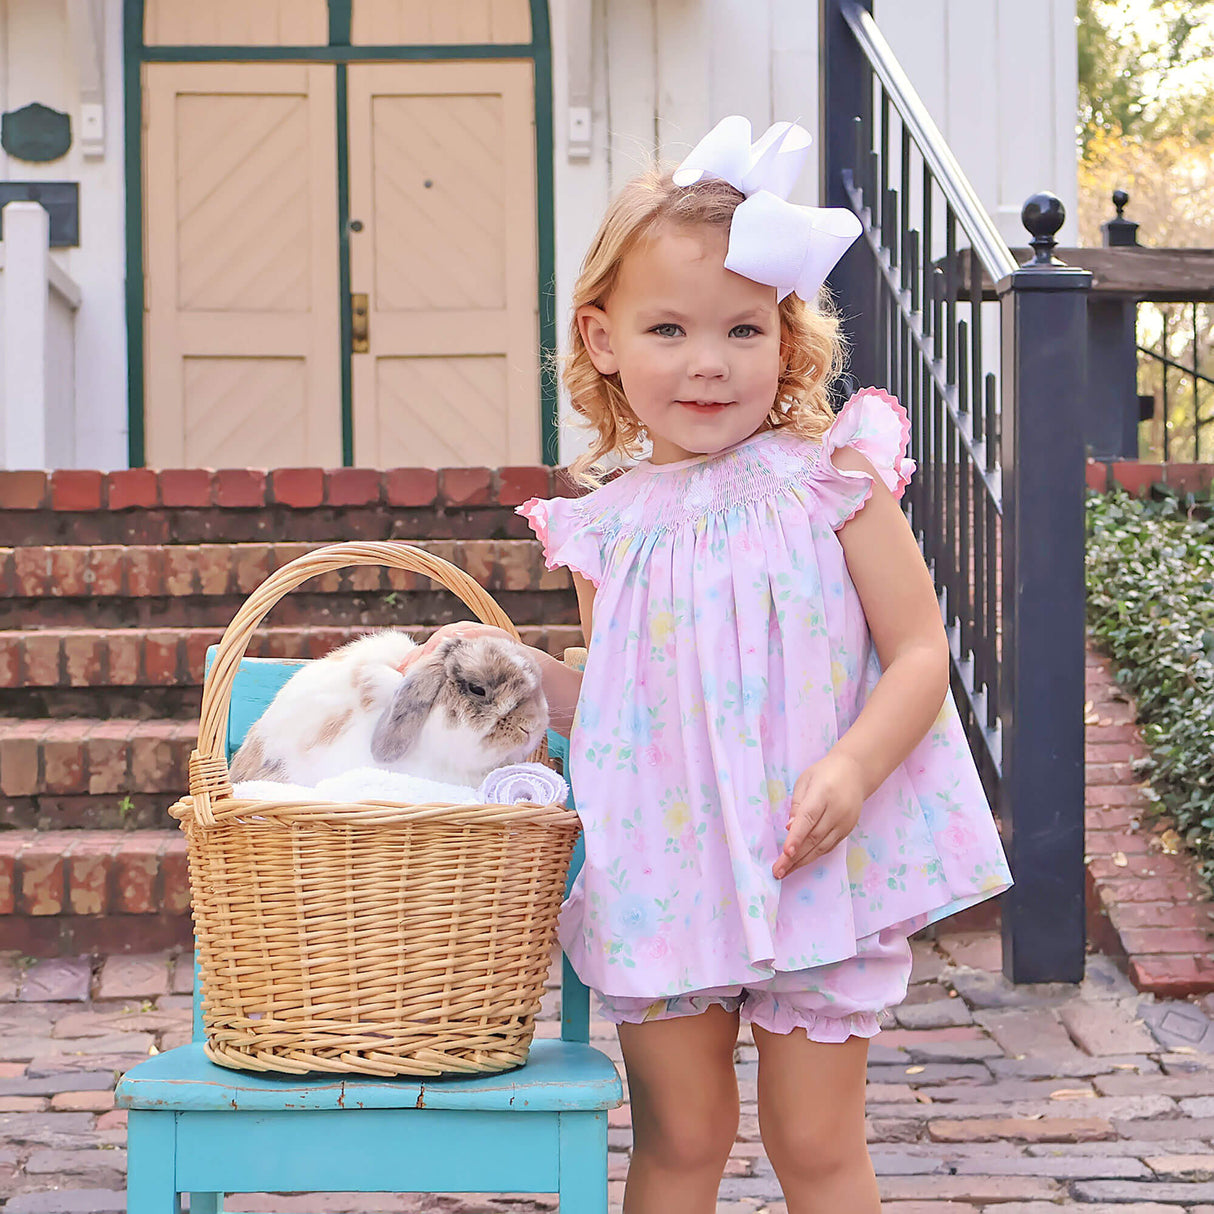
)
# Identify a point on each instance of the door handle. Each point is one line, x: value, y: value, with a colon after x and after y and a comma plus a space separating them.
x: 360, y: 331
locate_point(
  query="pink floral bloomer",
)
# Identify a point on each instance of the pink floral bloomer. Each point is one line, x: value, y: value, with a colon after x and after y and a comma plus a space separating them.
x: 729, y: 653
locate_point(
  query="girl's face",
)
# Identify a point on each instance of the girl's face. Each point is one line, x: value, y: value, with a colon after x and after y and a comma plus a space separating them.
x: 697, y: 347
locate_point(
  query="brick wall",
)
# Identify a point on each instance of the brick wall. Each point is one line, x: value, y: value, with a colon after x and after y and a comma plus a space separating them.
x: 1137, y: 477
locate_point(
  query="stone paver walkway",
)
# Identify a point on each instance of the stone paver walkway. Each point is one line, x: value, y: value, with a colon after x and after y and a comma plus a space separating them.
x: 982, y: 1097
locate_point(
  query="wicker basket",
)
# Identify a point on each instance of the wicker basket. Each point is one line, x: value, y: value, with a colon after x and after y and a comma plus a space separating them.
x: 369, y: 938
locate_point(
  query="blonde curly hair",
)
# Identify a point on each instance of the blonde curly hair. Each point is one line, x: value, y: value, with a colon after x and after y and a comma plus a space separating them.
x: 811, y: 346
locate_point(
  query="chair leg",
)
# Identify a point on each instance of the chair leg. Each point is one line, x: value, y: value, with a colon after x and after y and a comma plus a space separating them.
x: 151, y: 1179
x: 583, y: 1163
x: 206, y: 1203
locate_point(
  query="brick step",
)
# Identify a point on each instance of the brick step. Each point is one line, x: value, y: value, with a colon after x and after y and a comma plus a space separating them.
x: 70, y: 892
x: 157, y: 672
x: 183, y: 585
x: 91, y: 772
x: 1148, y: 905
x: 192, y: 505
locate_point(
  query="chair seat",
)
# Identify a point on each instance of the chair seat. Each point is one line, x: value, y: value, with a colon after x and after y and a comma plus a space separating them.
x: 559, y: 1076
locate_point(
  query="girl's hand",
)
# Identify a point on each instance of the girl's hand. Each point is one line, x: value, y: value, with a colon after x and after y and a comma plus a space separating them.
x: 826, y: 803
x: 461, y: 628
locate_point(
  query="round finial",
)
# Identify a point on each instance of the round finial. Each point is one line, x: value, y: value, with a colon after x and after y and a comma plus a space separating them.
x: 1043, y: 215
x: 1120, y: 231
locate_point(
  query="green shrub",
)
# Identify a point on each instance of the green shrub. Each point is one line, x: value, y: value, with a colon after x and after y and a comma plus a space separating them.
x: 1150, y: 603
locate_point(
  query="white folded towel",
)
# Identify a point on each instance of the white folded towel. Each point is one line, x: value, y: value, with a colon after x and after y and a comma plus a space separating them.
x: 523, y: 782
x: 272, y: 790
x: 376, y: 784
x: 532, y: 783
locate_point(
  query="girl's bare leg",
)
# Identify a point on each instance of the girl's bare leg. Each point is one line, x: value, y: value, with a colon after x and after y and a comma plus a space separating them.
x: 811, y: 1117
x: 684, y: 1096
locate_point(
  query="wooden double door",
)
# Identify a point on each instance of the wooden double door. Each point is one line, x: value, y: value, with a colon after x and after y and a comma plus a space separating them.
x: 245, y: 170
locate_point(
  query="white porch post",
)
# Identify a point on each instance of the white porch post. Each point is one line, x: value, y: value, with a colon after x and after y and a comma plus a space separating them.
x: 26, y: 296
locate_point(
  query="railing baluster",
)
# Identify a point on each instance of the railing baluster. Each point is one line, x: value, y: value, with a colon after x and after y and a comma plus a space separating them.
x: 904, y: 215
x: 891, y: 243
x: 928, y: 198
x: 993, y: 536
x: 965, y: 605
x: 976, y: 277
x: 858, y: 158
x: 887, y: 220
x: 950, y: 262
x: 992, y: 441
x: 874, y: 173
x: 1167, y: 421
x: 982, y: 604
x: 1196, y: 395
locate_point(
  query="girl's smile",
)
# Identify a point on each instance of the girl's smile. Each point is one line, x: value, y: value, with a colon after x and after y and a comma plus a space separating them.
x: 705, y: 406
x: 696, y: 347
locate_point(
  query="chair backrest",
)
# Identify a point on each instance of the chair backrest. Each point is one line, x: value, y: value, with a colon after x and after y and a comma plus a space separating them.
x: 256, y: 683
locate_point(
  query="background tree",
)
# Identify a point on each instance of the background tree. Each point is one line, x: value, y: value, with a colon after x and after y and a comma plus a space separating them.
x: 1146, y: 125
x: 1144, y: 69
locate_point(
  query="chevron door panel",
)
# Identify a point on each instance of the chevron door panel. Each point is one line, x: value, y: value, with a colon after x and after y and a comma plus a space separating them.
x: 438, y: 181
x: 242, y: 202
x: 220, y: 422
x: 435, y: 22
x: 442, y: 178
x: 436, y: 405
x: 236, y: 23
x: 243, y: 335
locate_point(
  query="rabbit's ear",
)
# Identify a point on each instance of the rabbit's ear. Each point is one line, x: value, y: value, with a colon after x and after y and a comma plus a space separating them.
x: 401, y: 722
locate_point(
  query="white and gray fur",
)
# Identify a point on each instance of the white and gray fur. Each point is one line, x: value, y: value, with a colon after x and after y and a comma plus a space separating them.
x: 469, y: 706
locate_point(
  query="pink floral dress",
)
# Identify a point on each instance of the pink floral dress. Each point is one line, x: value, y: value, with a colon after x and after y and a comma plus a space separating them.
x: 730, y: 651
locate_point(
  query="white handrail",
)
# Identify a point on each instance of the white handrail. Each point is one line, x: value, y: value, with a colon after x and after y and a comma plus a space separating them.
x: 62, y: 283
x: 37, y: 345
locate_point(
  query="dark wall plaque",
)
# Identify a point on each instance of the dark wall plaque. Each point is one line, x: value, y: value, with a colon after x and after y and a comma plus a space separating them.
x: 60, y: 199
x: 36, y: 132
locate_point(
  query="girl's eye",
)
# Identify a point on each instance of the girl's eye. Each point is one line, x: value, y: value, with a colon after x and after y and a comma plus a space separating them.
x: 750, y: 331
x: 667, y: 330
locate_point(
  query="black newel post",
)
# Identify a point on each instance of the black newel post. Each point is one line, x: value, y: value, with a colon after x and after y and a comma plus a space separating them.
x: 1044, y: 342
x: 1112, y: 423
x: 845, y: 81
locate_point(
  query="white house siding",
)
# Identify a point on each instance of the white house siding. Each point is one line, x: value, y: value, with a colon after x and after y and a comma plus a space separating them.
x: 1000, y: 79
x: 37, y: 63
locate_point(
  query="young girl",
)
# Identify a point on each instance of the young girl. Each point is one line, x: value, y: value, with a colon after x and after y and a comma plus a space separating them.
x: 773, y: 781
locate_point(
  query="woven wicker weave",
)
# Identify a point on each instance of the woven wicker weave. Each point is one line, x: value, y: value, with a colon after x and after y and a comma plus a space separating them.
x: 368, y: 938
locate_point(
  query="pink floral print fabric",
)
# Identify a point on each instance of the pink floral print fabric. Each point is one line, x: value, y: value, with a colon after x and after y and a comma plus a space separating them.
x: 730, y: 651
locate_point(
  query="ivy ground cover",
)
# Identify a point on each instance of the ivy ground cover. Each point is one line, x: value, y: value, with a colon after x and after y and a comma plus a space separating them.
x: 1150, y: 604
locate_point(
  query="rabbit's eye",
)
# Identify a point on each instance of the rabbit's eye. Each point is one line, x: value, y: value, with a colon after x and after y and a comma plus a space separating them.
x: 476, y: 689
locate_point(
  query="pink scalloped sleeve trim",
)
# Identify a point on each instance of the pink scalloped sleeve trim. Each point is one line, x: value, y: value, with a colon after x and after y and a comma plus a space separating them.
x: 576, y: 550
x: 889, y: 460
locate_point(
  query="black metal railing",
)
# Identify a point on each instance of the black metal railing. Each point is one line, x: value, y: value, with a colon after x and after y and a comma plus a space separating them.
x: 1175, y: 370
x: 988, y: 358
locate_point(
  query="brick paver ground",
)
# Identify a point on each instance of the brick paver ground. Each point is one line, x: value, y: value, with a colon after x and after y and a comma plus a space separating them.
x: 982, y: 1097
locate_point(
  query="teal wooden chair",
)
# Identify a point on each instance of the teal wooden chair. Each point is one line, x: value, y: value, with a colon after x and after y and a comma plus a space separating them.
x: 194, y: 1127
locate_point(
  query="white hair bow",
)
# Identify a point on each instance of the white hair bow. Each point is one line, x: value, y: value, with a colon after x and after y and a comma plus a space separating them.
x: 771, y: 240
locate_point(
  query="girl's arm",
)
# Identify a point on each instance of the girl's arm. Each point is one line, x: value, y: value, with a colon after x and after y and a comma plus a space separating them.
x: 903, y: 614
x: 562, y: 685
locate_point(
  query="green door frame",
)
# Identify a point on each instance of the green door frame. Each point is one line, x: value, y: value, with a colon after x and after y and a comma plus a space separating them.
x: 340, y: 53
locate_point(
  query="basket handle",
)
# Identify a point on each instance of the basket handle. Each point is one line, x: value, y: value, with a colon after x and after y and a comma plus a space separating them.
x: 209, y: 779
